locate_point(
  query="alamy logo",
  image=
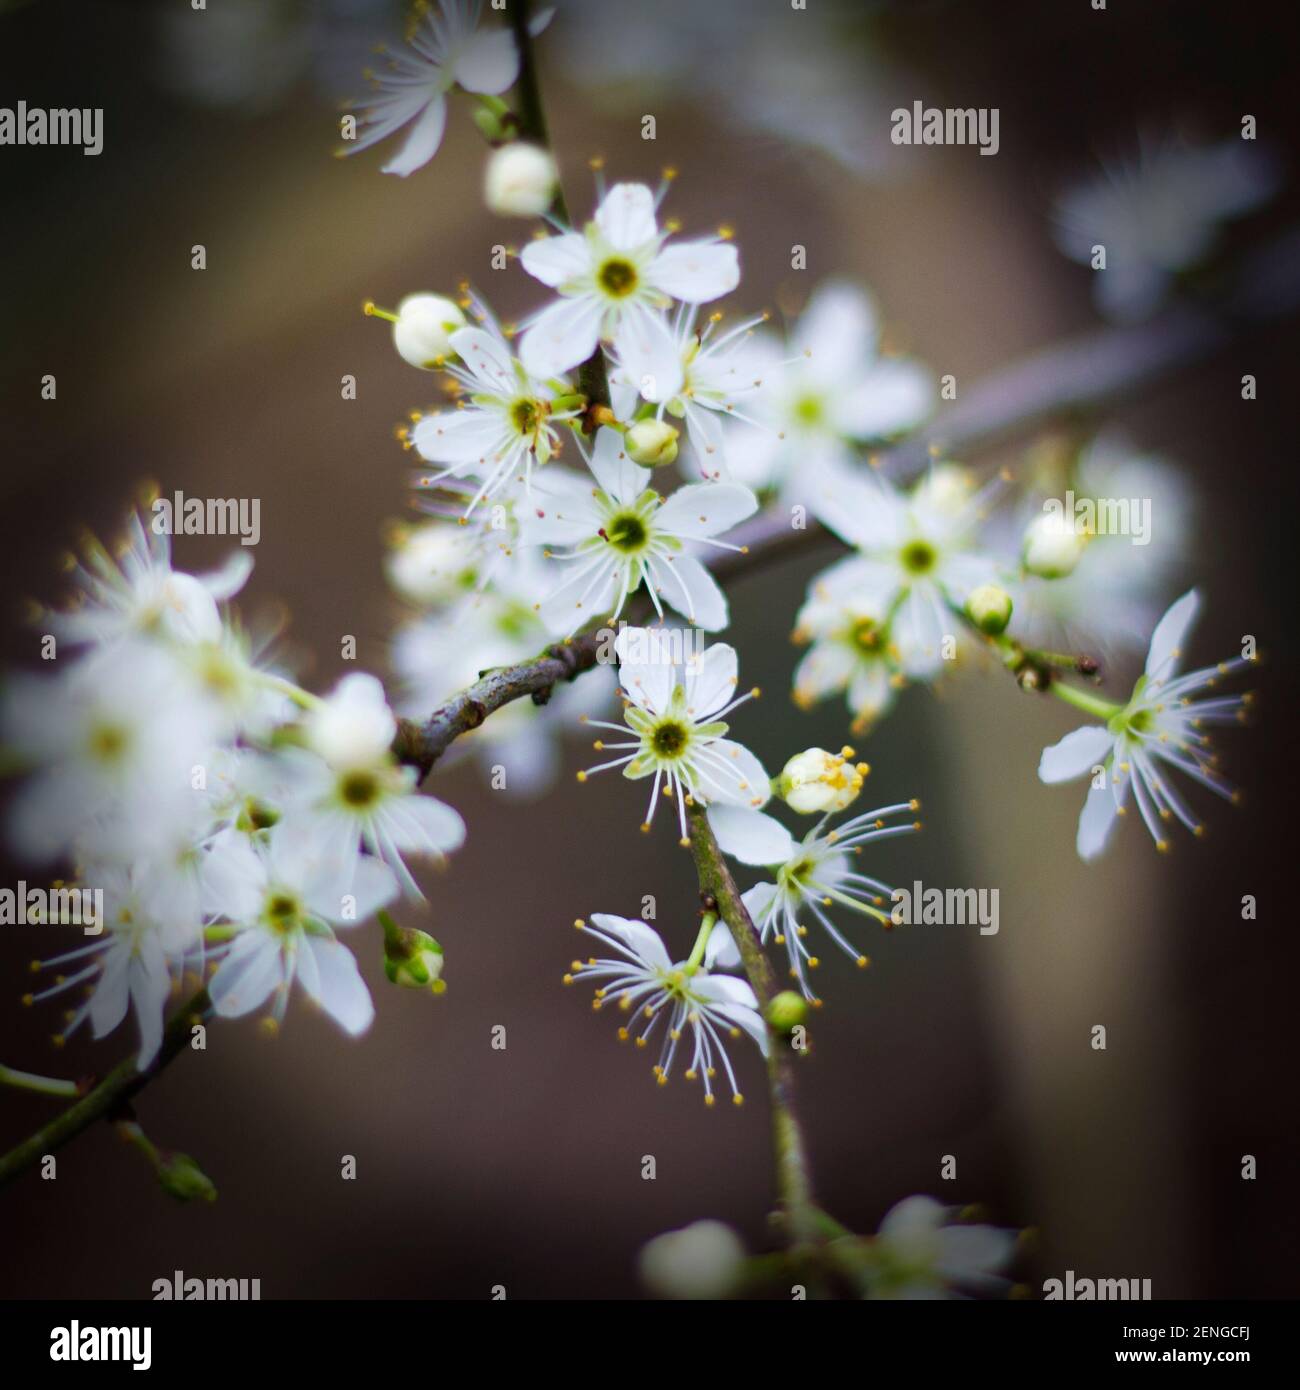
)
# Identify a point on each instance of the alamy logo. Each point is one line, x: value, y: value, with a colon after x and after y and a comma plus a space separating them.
x: 1103, y: 516
x: 77, y: 1343
x: 946, y: 907
x: 36, y: 125
x: 59, y: 907
x: 650, y: 646
x: 179, y: 1289
x: 1097, y: 1290
x: 179, y: 515
x: 932, y: 125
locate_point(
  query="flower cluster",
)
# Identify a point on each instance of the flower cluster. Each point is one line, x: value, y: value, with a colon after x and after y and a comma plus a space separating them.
x: 231, y: 820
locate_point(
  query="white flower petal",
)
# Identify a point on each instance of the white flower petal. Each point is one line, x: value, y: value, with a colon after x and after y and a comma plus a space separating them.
x: 895, y: 396
x: 687, y: 586
x: 423, y: 141
x: 1076, y: 754
x: 711, y: 681
x: 461, y: 438
x: 249, y: 972
x: 1168, y: 638
x: 737, y: 777
x: 488, y: 358
x: 556, y: 260
x: 626, y: 216
x: 648, y: 353
x: 1097, y: 819
x: 337, y: 985
x: 700, y: 510
x: 720, y: 951
x: 488, y: 62
x: 752, y: 837
x: 642, y: 941
x: 696, y: 271
x: 561, y: 336
x: 620, y: 478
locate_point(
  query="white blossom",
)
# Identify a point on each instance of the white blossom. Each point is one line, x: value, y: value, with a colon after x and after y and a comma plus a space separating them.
x: 614, y: 279
x: 1161, y: 723
x: 811, y: 876
x: 1159, y: 213
x: 917, y: 560
x: 445, y: 48
x: 698, y: 1008
x: 281, y: 896
x: 622, y: 534
x: 920, y: 1252
x: 675, y: 714
x: 505, y: 429
x: 828, y: 388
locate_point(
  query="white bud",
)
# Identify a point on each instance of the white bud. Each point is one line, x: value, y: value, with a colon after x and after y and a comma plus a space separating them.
x: 815, y: 781
x: 433, y: 563
x: 702, y: 1260
x: 353, y: 727
x: 1052, y: 545
x: 945, y: 489
x: 652, y: 442
x: 989, y: 607
x: 520, y: 180
x: 425, y: 323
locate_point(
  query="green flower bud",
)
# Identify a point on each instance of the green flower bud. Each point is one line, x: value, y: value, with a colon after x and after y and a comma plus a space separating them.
x: 181, y: 1177
x: 412, y: 958
x: 652, y: 442
x: 787, y: 1010
x: 989, y: 608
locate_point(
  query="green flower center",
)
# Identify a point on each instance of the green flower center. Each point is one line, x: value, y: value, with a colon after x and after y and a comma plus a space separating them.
x: 918, y: 557
x: 617, y: 277
x: 1140, y: 721
x: 669, y: 739
x: 359, y: 788
x: 108, y: 742
x: 809, y: 410
x: 865, y: 636
x: 626, y: 532
x: 526, y: 414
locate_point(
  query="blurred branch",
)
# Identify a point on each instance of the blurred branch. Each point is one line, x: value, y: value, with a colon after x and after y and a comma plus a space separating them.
x: 106, y: 1099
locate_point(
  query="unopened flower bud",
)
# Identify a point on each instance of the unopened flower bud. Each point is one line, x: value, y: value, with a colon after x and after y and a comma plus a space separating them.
x: 422, y: 332
x: 412, y: 958
x: 702, y: 1260
x: 520, y: 180
x: 989, y: 608
x: 787, y: 1010
x: 1052, y: 546
x: 652, y: 442
x: 815, y: 782
x: 181, y: 1177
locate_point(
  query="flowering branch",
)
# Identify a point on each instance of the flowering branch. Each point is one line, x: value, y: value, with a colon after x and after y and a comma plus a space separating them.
x: 794, y: 1181
x: 106, y: 1098
x: 420, y: 745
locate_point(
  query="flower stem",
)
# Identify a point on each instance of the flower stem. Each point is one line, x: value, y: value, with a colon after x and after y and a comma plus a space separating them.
x: 593, y: 380
x: 107, y: 1097
x: 39, y: 1085
x: 1104, y: 710
x: 793, y: 1175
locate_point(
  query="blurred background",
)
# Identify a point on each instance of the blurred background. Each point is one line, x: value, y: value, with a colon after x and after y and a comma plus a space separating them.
x: 523, y: 1167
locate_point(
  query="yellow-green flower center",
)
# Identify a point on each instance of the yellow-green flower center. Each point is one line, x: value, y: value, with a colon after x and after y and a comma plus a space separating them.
x: 617, y: 277
x: 918, y: 557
